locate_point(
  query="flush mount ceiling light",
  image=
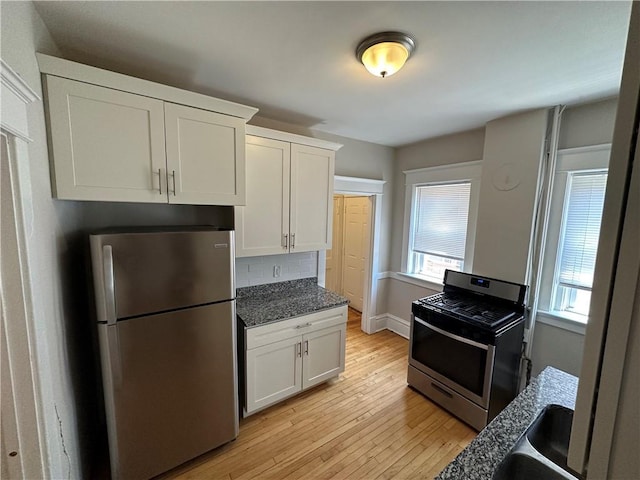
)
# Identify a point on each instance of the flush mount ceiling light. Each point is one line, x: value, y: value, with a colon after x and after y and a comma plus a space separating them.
x: 383, y: 54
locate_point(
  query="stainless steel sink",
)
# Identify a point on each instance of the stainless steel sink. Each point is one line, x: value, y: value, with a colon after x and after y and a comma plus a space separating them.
x: 541, y: 451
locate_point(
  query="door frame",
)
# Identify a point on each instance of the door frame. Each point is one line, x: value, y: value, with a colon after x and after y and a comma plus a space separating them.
x: 24, y: 431
x: 372, y: 189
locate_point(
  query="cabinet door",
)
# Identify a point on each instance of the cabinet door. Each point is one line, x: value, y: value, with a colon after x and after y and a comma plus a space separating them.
x: 311, y: 198
x: 262, y: 224
x: 205, y: 156
x: 106, y: 144
x: 273, y: 373
x: 323, y: 355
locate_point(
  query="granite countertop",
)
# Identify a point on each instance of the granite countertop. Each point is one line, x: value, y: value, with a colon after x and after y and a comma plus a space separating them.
x: 273, y: 302
x: 481, y: 457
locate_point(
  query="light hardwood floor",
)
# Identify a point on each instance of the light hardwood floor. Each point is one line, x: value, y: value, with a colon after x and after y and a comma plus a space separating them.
x: 366, y: 424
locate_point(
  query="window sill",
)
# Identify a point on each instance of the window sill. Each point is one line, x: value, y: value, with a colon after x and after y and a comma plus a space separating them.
x: 418, y: 280
x: 560, y: 321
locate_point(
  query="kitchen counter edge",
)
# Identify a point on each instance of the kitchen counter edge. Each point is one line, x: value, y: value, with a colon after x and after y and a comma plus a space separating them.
x: 263, y: 304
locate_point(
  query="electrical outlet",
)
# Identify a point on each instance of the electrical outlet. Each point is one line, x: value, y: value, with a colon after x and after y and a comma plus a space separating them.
x: 277, y: 270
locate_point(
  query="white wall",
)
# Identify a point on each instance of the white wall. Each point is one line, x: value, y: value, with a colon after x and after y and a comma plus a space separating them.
x: 259, y: 270
x: 588, y: 124
x: 56, y: 252
x: 582, y: 125
x: 513, y: 150
x: 23, y: 33
x: 396, y: 294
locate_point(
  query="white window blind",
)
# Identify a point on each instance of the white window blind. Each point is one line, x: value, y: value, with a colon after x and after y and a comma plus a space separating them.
x: 441, y: 219
x: 581, y: 229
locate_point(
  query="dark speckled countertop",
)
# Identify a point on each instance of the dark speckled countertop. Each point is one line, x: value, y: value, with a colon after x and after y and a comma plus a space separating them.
x: 273, y: 302
x: 481, y: 457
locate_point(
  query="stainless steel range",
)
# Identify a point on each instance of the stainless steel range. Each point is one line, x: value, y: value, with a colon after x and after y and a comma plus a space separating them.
x: 466, y: 345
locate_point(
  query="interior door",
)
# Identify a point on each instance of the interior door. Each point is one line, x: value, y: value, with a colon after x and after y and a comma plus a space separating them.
x: 205, y: 156
x: 357, y: 226
x: 334, y: 254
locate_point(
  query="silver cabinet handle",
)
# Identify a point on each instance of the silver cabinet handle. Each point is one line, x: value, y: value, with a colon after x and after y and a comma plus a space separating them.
x: 303, y: 325
x: 109, y: 284
x: 173, y: 175
x: 286, y: 241
x: 160, y: 180
x: 306, y: 347
x: 299, y: 348
x: 293, y: 240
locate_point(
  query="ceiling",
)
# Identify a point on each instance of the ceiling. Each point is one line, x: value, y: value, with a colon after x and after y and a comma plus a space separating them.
x: 474, y: 62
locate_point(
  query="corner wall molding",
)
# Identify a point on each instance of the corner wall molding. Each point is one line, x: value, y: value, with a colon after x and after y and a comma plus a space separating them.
x: 16, y: 95
x: 16, y: 84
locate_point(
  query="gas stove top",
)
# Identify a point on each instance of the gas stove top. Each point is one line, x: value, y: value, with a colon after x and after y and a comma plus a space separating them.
x: 481, y: 302
x: 470, y: 308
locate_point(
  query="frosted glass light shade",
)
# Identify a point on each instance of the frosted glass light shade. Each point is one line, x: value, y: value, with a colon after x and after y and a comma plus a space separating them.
x: 383, y: 54
x: 385, y: 59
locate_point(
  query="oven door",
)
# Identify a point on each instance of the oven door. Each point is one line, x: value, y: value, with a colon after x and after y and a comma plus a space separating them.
x: 461, y: 364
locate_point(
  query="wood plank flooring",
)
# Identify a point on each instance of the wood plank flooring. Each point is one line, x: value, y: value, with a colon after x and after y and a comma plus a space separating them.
x: 366, y: 424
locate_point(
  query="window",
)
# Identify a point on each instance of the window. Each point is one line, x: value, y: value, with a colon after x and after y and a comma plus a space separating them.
x: 573, y: 232
x: 440, y: 219
x: 440, y: 229
x: 579, y: 241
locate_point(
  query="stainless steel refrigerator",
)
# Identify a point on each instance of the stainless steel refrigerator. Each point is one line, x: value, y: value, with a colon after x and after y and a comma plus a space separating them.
x: 165, y: 304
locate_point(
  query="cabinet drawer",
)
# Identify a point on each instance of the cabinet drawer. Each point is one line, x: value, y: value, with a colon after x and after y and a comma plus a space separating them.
x: 274, y: 332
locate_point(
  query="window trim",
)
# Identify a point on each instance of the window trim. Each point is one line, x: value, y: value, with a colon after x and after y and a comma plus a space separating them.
x: 592, y: 158
x: 442, y: 174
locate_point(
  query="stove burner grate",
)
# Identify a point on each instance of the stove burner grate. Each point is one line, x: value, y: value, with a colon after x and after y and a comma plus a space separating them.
x: 470, y: 308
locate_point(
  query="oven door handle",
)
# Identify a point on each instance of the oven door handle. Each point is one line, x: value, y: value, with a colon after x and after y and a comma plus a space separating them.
x: 451, y: 335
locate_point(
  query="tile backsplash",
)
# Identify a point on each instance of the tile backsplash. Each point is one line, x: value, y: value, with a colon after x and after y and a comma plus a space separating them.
x: 260, y: 270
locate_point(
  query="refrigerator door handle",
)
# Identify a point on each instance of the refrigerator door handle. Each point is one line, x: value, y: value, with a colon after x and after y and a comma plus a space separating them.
x: 109, y: 284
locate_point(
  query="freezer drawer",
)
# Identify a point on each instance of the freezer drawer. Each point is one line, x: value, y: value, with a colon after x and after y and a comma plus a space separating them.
x: 170, y: 387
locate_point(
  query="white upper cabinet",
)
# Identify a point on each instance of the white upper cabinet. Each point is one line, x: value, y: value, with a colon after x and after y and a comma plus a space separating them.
x: 107, y: 145
x: 289, y: 194
x: 119, y: 138
x: 205, y: 156
x: 262, y: 226
x: 311, y: 216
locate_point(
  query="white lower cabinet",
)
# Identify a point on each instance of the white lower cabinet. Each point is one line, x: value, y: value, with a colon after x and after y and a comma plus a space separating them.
x: 284, y: 358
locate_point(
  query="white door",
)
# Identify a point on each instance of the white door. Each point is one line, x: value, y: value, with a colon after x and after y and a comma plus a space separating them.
x: 106, y: 144
x: 273, y: 372
x: 323, y: 355
x: 262, y: 225
x: 334, y: 254
x: 357, y: 225
x: 205, y: 156
x: 311, y: 198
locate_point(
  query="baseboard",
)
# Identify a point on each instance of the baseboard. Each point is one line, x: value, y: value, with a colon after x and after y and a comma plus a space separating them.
x: 387, y: 321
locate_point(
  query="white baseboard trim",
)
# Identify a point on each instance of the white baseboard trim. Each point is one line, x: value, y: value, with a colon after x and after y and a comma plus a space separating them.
x: 397, y: 325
